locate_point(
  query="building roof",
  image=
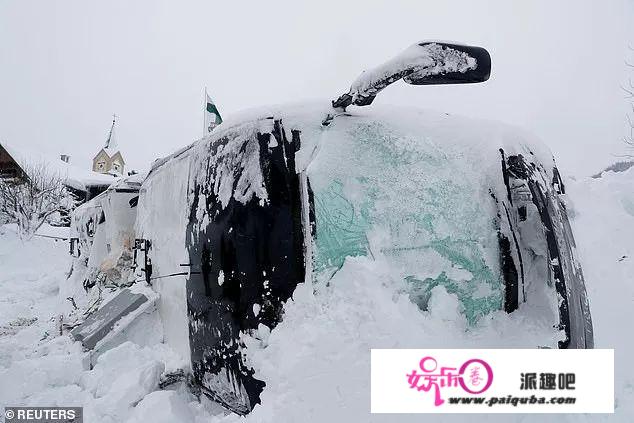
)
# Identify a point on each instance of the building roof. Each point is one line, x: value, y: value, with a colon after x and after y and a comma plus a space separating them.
x: 75, y: 176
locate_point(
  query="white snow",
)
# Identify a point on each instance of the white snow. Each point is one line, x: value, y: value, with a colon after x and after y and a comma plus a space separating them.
x: 162, y: 407
x: 316, y: 362
x: 241, y: 152
x: 603, y: 222
x: 162, y: 217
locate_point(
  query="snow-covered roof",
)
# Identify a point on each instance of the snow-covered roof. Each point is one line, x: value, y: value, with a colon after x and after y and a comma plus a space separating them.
x: 129, y: 184
x: 621, y: 166
x: 75, y: 176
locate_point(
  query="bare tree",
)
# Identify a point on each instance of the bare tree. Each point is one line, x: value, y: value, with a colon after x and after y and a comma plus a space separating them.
x: 33, y: 199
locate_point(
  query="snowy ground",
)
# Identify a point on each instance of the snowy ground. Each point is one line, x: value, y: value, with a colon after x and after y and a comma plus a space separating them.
x: 316, y: 363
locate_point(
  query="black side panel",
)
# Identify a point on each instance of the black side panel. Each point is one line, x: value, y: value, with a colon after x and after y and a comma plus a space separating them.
x: 510, y: 254
x: 251, y: 258
x: 528, y: 182
x: 509, y: 272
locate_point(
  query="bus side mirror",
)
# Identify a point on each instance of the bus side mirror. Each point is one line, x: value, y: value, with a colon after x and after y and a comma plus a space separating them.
x: 424, y: 63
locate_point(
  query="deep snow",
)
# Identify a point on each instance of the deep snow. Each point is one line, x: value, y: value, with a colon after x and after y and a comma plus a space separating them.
x: 316, y: 362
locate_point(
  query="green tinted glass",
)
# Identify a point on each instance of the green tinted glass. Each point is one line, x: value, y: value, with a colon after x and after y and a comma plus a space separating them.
x: 422, y: 207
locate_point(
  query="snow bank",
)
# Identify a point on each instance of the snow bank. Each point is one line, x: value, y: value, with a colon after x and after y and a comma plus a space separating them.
x: 30, y: 275
x: 604, y: 226
x: 318, y: 358
x: 162, y: 407
x: 40, y: 367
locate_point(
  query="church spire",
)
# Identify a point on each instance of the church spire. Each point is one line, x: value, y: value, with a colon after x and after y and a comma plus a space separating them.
x: 109, y: 159
x: 111, y: 142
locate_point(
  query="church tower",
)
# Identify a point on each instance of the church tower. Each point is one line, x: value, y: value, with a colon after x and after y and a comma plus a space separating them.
x: 109, y: 159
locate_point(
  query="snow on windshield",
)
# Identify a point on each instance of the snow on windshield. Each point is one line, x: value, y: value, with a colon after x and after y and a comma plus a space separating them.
x: 379, y: 191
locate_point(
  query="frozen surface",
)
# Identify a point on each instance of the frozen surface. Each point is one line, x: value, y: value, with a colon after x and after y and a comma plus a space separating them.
x: 406, y: 195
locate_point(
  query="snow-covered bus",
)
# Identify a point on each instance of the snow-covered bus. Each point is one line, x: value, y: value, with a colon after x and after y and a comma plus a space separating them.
x: 284, y: 195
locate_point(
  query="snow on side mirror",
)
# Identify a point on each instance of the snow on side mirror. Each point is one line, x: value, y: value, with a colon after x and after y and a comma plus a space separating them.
x: 424, y: 63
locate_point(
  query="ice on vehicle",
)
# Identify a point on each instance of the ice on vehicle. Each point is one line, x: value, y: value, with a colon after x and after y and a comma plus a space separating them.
x: 102, y: 241
x: 283, y: 196
x: 466, y: 217
x: 422, y: 205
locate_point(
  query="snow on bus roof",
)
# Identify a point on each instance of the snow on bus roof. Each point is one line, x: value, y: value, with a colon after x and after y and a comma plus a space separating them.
x: 455, y: 131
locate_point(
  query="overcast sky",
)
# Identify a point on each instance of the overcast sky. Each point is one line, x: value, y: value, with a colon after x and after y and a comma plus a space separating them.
x: 67, y: 66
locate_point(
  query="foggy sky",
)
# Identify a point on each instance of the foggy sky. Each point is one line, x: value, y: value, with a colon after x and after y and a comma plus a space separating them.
x: 67, y: 66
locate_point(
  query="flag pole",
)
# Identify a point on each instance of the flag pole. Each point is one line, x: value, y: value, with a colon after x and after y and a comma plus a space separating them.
x: 204, y: 110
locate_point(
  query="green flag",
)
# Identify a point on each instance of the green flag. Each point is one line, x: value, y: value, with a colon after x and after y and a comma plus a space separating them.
x: 212, y: 115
